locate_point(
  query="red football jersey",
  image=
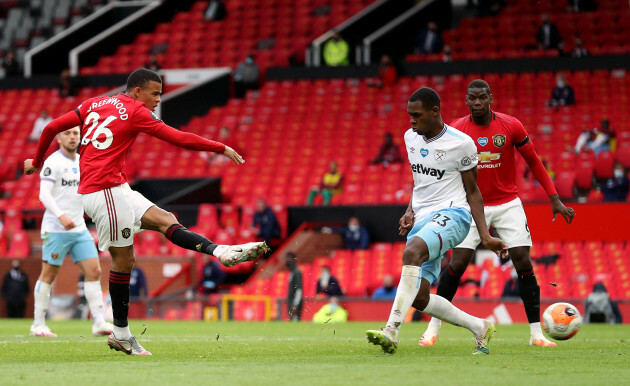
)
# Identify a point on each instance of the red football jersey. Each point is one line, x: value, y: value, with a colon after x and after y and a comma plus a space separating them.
x: 496, y: 145
x: 109, y: 126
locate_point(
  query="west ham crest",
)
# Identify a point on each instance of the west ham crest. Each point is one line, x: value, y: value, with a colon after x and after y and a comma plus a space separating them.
x: 440, y: 155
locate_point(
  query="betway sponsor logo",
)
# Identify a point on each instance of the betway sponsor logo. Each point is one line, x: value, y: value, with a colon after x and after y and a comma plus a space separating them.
x: 419, y: 168
x: 69, y: 182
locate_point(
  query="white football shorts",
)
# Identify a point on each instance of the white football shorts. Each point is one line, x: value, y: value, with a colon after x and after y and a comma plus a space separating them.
x: 117, y: 213
x: 510, y: 222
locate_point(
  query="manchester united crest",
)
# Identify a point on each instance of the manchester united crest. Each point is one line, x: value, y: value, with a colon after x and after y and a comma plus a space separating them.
x: 126, y: 233
x: 498, y: 140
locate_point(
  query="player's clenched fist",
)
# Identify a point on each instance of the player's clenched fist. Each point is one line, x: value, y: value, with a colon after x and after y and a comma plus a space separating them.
x: 406, y: 223
x: 28, y: 167
x: 233, y: 155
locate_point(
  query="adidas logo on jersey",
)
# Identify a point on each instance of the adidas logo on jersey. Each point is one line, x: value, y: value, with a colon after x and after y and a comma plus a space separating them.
x: 419, y: 168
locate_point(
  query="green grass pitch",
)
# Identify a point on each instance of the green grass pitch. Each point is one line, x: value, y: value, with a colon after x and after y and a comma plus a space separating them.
x: 282, y: 353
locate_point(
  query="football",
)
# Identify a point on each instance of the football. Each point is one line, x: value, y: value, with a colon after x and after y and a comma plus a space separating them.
x: 561, y: 321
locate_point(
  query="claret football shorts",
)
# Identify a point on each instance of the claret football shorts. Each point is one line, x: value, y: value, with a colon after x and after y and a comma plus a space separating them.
x: 441, y: 230
x: 510, y: 222
x: 117, y: 213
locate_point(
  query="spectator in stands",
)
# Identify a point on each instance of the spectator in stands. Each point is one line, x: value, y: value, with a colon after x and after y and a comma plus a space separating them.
x: 510, y: 290
x: 246, y: 76
x: 265, y: 223
x: 579, y: 51
x: 581, y: 5
x: 336, y: 51
x: 599, y: 308
x: 616, y: 188
x: 387, y: 73
x: 153, y: 64
x: 447, y: 54
x: 331, y: 312
x: 332, y: 183
x: 15, y: 289
x: 548, y: 36
x: 67, y: 84
x: 596, y: 139
x: 389, y: 152
x: 138, y: 284
x: 211, y: 276
x: 327, y: 284
x: 10, y: 65
x: 216, y: 11
x: 562, y: 94
x: 429, y: 39
x: 387, y: 291
x: 295, y: 294
x: 356, y: 236
x: 38, y: 126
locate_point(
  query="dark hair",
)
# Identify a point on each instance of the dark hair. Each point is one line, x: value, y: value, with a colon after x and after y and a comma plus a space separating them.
x: 479, y: 83
x: 427, y: 96
x: 140, y: 77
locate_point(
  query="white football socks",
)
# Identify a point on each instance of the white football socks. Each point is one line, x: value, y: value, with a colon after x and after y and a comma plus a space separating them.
x: 405, y: 295
x: 42, y: 300
x: 94, y: 296
x: 536, y: 330
x: 444, y: 310
x: 435, y: 322
x: 122, y: 332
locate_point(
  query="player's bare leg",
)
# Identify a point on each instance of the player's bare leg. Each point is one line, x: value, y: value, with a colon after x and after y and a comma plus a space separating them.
x: 41, y: 294
x: 447, y: 288
x: 159, y: 220
x: 120, y: 339
x: 94, y: 294
x: 530, y: 294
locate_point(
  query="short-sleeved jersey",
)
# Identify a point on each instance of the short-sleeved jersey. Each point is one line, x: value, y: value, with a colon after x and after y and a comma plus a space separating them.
x: 109, y: 126
x: 436, y: 164
x: 496, y: 143
x: 64, y: 172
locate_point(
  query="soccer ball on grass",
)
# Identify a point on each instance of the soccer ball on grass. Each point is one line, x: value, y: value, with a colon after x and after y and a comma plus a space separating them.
x: 561, y: 321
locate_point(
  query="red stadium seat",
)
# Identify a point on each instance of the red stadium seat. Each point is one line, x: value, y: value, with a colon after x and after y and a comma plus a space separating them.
x: 20, y: 246
x: 604, y: 165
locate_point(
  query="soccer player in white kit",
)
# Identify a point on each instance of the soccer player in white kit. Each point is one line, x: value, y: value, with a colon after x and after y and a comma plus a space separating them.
x: 64, y: 231
x: 445, y: 196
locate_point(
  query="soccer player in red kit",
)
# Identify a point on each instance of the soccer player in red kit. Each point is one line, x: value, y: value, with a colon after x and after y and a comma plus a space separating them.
x: 109, y: 126
x: 497, y: 136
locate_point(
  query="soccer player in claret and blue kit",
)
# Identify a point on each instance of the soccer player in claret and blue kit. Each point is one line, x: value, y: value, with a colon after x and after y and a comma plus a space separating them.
x: 445, y: 199
x: 109, y: 126
x: 497, y: 136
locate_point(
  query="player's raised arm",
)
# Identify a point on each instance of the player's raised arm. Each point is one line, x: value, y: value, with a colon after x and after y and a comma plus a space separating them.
x: 56, y: 126
x: 473, y: 195
x: 528, y: 152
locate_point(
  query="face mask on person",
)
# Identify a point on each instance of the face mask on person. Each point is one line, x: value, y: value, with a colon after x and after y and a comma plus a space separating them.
x: 333, y: 307
x: 560, y: 83
x: 354, y: 228
x: 618, y: 173
x: 325, y: 277
x: 249, y: 60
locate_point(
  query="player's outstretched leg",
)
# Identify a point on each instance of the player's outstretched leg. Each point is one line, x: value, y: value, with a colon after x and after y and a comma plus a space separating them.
x: 447, y: 288
x: 228, y: 255
x: 444, y: 310
x: 42, y: 300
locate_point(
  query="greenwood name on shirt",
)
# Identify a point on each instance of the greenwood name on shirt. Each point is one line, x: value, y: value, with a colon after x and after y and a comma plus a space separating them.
x: 495, y: 147
x: 109, y: 126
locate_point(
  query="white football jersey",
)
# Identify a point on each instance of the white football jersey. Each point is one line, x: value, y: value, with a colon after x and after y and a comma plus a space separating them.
x: 64, y: 173
x: 436, y: 165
